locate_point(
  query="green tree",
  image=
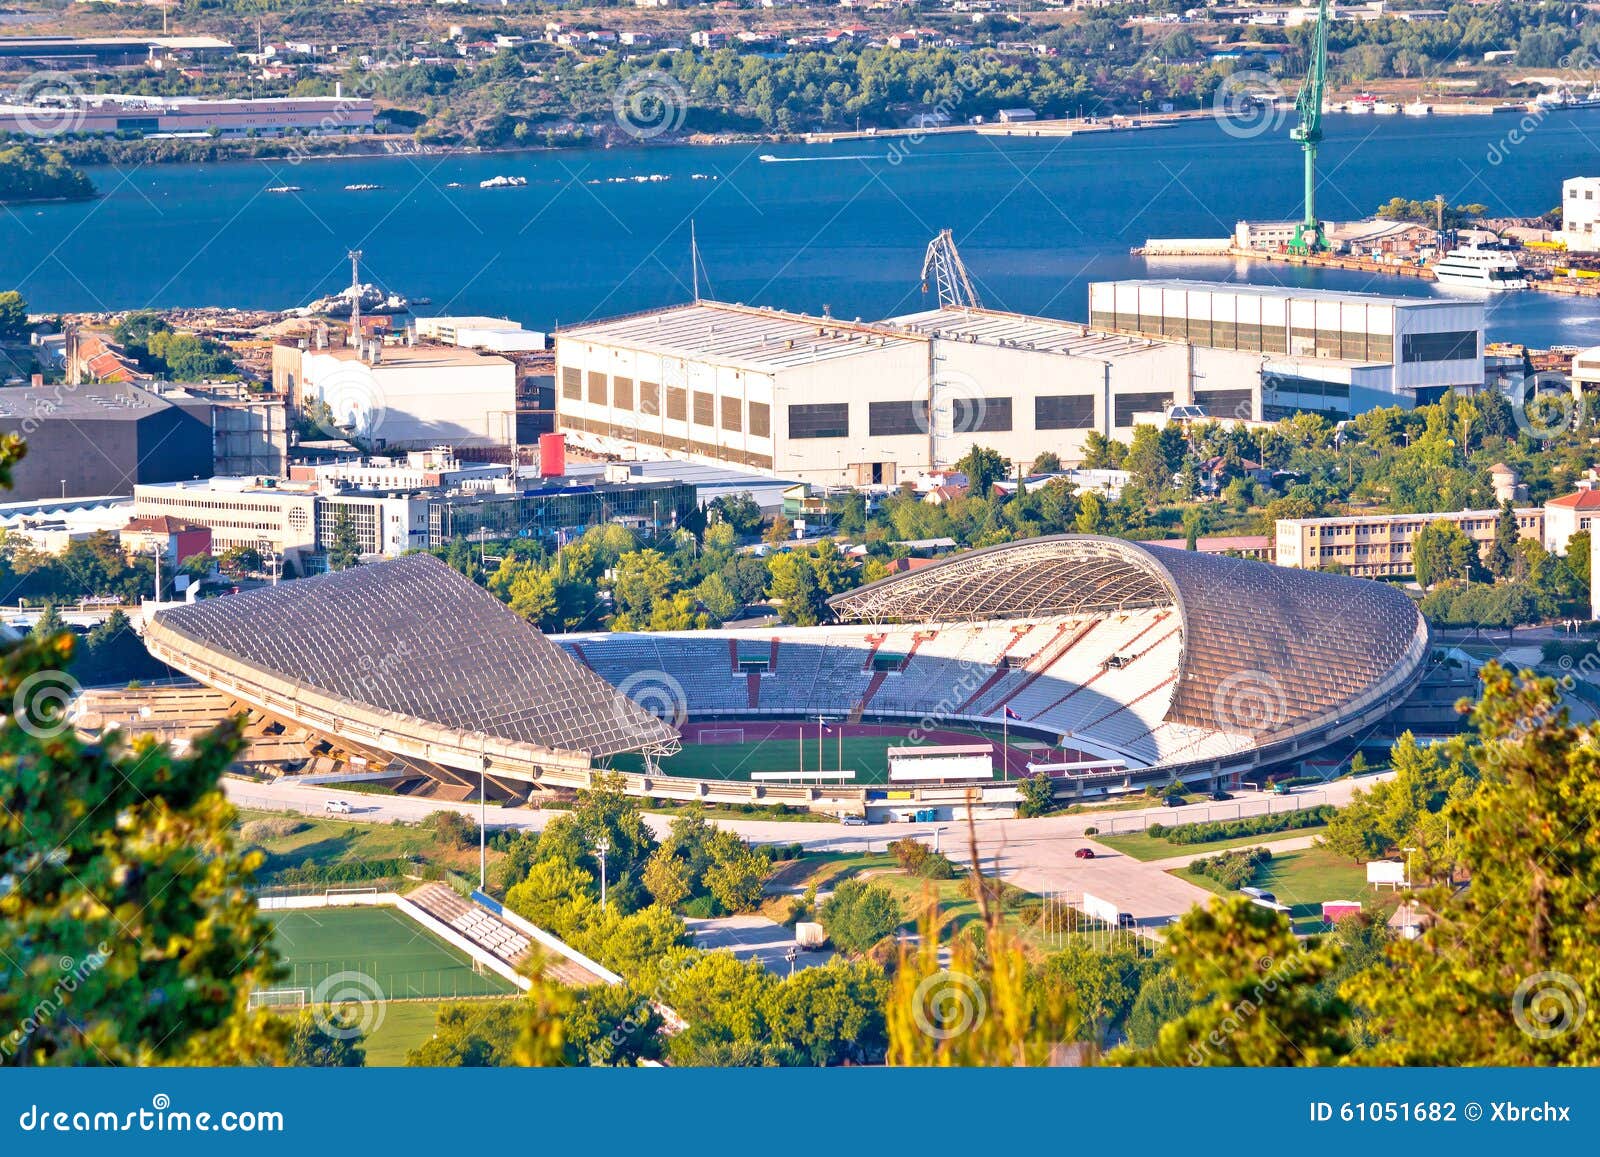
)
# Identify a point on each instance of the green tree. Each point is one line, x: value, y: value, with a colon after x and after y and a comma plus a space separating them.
x: 736, y: 874
x: 1502, y: 555
x: 1442, y: 551
x: 983, y: 468
x: 344, y: 551
x: 859, y: 914
x: 641, y: 578
x: 794, y: 585
x: 1162, y: 998
x: 1048, y: 462
x: 13, y: 316
x: 311, y: 1044
x: 1038, y: 796
x: 1103, y: 985
x: 666, y: 878
x: 1500, y: 974
x: 1146, y: 462
x: 119, y: 858
x: 479, y: 1034
x: 779, y: 531
x: 1265, y: 1005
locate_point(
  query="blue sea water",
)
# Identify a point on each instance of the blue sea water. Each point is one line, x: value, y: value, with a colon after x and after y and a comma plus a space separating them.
x: 842, y: 226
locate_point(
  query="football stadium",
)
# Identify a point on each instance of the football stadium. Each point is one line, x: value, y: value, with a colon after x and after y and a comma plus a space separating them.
x: 1105, y: 664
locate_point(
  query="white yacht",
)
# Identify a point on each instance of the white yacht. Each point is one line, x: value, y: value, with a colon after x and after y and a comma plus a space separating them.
x: 1480, y: 269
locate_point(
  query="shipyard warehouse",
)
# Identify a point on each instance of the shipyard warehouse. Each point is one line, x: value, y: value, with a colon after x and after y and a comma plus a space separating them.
x: 880, y: 403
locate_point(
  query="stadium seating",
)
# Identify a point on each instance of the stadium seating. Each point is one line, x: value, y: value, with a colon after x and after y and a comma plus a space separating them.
x: 1056, y: 673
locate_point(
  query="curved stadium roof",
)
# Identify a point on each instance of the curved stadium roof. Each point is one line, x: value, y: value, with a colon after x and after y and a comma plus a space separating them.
x: 1300, y: 645
x: 413, y: 638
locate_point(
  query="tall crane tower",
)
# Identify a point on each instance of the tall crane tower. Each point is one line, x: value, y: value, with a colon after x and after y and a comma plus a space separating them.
x: 949, y: 274
x: 1309, y: 235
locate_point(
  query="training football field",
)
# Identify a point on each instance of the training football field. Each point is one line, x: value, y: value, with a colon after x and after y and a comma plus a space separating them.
x: 403, y: 959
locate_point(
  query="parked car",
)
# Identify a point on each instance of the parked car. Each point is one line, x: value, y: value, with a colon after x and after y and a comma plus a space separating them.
x: 338, y: 807
x: 854, y: 821
x: 1220, y: 795
x: 1084, y: 853
x: 1174, y: 801
x: 1126, y: 920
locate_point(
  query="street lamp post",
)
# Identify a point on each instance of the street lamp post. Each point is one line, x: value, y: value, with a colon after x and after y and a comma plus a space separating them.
x: 601, y: 849
x: 483, y: 818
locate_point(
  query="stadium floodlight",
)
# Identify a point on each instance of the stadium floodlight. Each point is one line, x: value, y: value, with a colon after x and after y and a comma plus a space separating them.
x: 601, y: 847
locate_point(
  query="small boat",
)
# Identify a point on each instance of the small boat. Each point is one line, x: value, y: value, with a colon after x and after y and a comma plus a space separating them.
x: 361, y: 188
x: 283, y: 188
x: 455, y: 185
x: 503, y: 183
x: 768, y: 158
x: 1418, y: 108
x: 1385, y: 108
x: 1484, y: 269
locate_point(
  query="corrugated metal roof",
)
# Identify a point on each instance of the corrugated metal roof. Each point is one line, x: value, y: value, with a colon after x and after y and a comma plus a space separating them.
x: 1018, y: 330
x: 760, y: 339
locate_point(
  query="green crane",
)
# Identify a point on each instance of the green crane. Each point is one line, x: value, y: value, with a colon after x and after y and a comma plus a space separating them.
x: 1309, y: 236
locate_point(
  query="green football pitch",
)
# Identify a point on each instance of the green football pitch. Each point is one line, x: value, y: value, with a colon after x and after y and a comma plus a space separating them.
x: 403, y: 960
x: 731, y: 751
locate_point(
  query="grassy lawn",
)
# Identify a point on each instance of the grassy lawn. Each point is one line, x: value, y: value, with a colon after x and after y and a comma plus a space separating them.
x: 331, y: 841
x: 391, y: 954
x: 1302, y: 880
x: 1144, y: 847
x: 328, y: 841
x: 406, y: 1024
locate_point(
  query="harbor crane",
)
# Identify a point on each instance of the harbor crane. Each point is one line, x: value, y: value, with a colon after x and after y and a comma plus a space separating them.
x: 1309, y: 235
x: 949, y: 274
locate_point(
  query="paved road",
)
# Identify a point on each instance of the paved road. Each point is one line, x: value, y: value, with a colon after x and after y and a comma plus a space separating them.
x: 756, y: 937
x: 1033, y: 854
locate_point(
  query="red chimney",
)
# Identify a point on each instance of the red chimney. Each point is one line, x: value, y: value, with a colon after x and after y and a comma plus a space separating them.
x: 552, y: 455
